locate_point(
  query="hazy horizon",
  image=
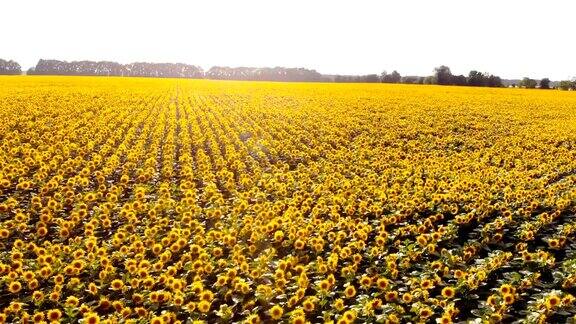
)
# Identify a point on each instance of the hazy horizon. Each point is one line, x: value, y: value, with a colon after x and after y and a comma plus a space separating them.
x: 512, y: 39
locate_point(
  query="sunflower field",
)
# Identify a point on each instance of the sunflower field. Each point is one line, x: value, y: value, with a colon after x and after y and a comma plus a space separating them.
x: 190, y: 201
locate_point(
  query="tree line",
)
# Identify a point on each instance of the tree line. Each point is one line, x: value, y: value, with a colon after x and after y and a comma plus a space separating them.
x: 105, y: 68
x: 172, y: 70
x: 442, y: 75
x: 263, y: 74
x: 9, y: 67
x: 567, y: 85
x: 547, y: 84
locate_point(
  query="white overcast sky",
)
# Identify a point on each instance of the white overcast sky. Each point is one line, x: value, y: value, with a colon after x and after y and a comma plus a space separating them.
x: 510, y: 38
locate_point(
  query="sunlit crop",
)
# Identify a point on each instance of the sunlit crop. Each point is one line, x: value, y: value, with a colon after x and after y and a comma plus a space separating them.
x: 164, y: 201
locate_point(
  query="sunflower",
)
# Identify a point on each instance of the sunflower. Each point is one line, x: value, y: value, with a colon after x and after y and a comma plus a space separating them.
x: 276, y: 312
x: 568, y: 300
x: 278, y: 236
x: 203, y: 306
x: 349, y: 315
x: 382, y: 283
x: 72, y: 301
x: 37, y: 296
x: 553, y: 243
x: 141, y: 311
x: 459, y: 274
x: 508, y: 299
x: 339, y: 304
x: 14, y: 287
x: 506, y: 289
x: 38, y: 317
x: 252, y: 319
x: 92, y: 288
x: 308, y: 304
x: 207, y: 295
x: 496, y: 317
x: 299, y: 244
x: 552, y: 301
x: 53, y: 315
x: 350, y: 291
x: 299, y: 319
x: 426, y: 284
x: 59, y: 279
x: 91, y: 318
x: 407, y: 297
x: 323, y: 286
x: 157, y: 320
x: 425, y: 312
x: 4, y: 233
x: 365, y: 282
x: 15, y: 307
x: 104, y: 303
x: 116, y: 284
x: 448, y: 292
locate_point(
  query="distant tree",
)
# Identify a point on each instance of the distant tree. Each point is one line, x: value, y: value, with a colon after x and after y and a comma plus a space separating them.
x: 494, y: 81
x: 566, y: 85
x: 346, y: 78
x: 476, y: 79
x: 429, y: 80
x: 371, y: 78
x: 384, y: 77
x: 410, y: 79
x: 528, y: 83
x: 9, y: 67
x: 393, y: 77
x: 545, y: 83
x: 459, y: 80
x: 442, y: 75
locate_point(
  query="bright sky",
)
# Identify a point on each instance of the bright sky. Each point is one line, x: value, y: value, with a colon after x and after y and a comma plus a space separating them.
x: 510, y: 38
